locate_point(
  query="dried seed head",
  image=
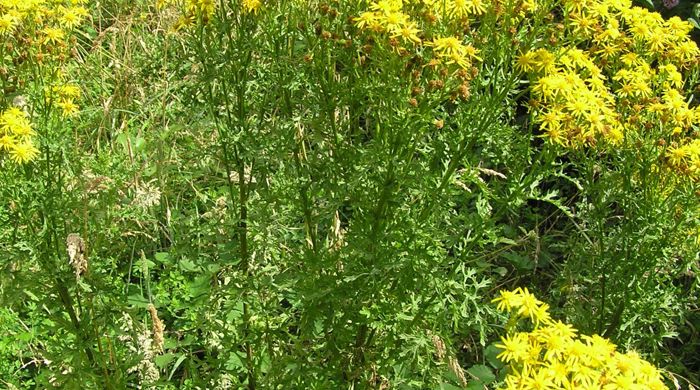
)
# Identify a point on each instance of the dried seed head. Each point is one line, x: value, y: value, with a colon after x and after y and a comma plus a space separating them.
x: 77, y: 258
x: 337, y: 236
x: 436, y: 84
x: 457, y: 370
x: 464, y: 91
x: 439, y: 347
x: 158, y: 328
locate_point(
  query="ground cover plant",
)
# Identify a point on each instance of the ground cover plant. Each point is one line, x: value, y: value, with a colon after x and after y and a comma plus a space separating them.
x: 428, y: 194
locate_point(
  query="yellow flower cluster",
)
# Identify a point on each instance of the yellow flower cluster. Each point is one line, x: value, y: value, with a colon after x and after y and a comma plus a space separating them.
x: 54, y: 16
x: 64, y: 96
x: 622, y: 73
x: 553, y: 356
x: 574, y: 104
x: 36, y: 41
x: 193, y: 11
x: 16, y: 135
x: 394, y: 17
x: 202, y: 11
x: 685, y: 158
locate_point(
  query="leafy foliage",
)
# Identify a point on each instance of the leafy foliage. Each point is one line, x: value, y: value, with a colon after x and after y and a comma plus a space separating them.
x: 289, y: 194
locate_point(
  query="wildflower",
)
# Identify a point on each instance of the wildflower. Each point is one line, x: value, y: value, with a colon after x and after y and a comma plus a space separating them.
x: 552, y: 357
x: 205, y: 8
x: 72, y: 17
x: 507, y: 300
x: 462, y: 8
x: 677, y: 155
x: 515, y: 348
x: 452, y: 49
x: 23, y: 152
x: 251, y: 6
x: 68, y: 107
x: 7, y: 142
x: 526, y: 62
x: 544, y: 61
x: 8, y: 23
x: 53, y: 35
x: 540, y: 380
x: 408, y: 32
x: 368, y: 20
x: 14, y: 122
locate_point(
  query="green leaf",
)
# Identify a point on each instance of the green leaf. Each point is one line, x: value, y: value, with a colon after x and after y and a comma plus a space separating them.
x: 235, y: 362
x: 648, y: 3
x: 188, y: 265
x: 137, y: 300
x: 447, y: 386
x: 177, y: 364
x: 520, y: 262
x: 482, y: 374
x: 694, y: 22
x: 163, y: 257
x: 163, y: 360
x: 491, y: 354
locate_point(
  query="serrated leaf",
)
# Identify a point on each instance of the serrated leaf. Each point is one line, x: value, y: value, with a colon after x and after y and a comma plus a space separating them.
x: 137, y: 300
x: 163, y: 257
x: 188, y: 265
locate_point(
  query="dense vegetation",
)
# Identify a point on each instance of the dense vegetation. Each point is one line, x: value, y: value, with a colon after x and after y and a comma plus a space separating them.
x: 428, y: 194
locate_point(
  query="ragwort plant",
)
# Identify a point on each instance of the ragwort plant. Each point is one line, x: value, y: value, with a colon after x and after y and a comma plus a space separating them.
x: 341, y: 130
x: 324, y: 194
x: 37, y: 104
x: 614, y: 95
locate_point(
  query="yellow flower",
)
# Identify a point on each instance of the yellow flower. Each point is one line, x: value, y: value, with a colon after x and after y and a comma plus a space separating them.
x: 452, y: 49
x: 545, y: 61
x: 507, y: 300
x: 515, y: 348
x: 462, y: 8
x: 68, y: 107
x: 72, y: 17
x: 526, y: 62
x: 7, y: 24
x: 368, y: 20
x: 205, y: 8
x: 7, y: 142
x: 15, y: 122
x: 540, y: 380
x: 677, y: 155
x: 53, y: 35
x: 552, y: 357
x: 559, y: 372
x: 24, y: 152
x: 408, y: 32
